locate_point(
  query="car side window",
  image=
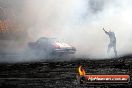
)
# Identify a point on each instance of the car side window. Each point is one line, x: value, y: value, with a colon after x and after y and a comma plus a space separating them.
x: 41, y: 41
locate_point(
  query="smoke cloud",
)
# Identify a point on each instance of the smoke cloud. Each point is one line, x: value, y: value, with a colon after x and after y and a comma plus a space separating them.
x: 79, y: 23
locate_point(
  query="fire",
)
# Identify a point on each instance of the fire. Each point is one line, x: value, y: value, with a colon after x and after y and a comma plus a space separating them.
x: 81, y: 71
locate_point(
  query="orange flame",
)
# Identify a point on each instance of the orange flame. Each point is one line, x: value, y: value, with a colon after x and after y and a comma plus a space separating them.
x: 81, y: 71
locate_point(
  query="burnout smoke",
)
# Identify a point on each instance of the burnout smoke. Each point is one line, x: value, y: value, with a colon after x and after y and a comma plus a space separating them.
x: 80, y: 23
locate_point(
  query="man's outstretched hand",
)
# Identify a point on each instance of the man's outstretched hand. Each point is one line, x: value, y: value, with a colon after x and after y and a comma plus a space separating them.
x: 103, y: 29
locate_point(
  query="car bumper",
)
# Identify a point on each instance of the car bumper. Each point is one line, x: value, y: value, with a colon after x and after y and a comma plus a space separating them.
x: 64, y: 51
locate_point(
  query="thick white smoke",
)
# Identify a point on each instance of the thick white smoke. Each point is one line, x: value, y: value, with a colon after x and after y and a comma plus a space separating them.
x: 80, y: 23
x: 76, y: 22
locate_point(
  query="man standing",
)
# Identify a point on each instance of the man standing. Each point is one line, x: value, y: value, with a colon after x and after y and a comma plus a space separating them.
x: 112, y: 43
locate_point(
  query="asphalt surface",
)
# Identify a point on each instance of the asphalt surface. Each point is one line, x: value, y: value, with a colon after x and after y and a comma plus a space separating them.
x: 61, y: 74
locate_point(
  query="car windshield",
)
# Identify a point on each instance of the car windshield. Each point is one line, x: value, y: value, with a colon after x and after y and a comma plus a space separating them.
x: 53, y: 40
x: 50, y: 40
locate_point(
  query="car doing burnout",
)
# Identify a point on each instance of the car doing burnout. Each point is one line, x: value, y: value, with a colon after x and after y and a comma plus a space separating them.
x: 50, y: 46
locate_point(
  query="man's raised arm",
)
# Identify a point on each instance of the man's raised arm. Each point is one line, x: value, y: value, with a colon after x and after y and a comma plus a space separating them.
x: 105, y: 31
